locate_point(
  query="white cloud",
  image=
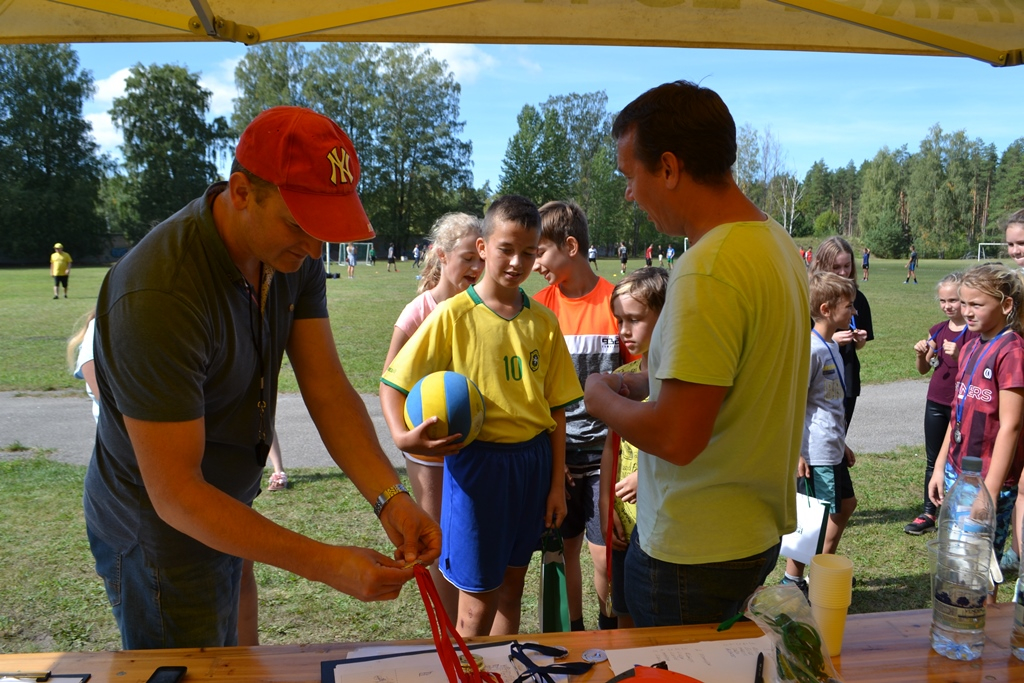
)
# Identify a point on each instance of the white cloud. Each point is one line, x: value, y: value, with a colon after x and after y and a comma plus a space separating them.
x: 220, y: 80
x: 107, y: 137
x: 110, y: 87
x: 467, y: 62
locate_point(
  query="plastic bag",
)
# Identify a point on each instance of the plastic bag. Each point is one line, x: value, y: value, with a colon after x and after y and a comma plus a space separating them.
x: 784, y: 614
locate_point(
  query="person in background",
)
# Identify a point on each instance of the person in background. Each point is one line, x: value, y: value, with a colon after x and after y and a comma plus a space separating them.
x: 636, y: 304
x: 580, y: 299
x: 835, y: 255
x: 60, y: 269
x: 391, y: 257
x: 649, y: 255
x: 988, y: 406
x: 80, y: 359
x: 592, y: 256
x: 450, y: 267
x: 350, y: 260
x: 502, y: 490
x: 865, y: 264
x: 1014, y: 233
x: 825, y: 459
x: 912, y: 266
x: 940, y: 353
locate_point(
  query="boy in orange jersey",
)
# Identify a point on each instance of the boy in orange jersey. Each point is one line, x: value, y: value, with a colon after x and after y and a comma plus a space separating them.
x: 581, y: 300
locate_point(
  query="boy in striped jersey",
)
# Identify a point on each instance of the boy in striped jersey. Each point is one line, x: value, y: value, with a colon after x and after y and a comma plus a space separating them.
x: 581, y: 300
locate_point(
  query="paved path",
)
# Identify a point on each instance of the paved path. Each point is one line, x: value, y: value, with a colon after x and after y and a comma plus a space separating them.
x: 888, y: 416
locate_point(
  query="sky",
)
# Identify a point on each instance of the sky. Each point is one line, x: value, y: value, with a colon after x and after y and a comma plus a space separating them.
x: 835, y: 107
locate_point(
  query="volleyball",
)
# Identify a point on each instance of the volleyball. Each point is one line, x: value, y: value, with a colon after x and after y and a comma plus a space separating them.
x: 453, y: 398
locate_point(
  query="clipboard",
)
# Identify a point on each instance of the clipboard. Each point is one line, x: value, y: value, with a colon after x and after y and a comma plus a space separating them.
x: 327, y: 667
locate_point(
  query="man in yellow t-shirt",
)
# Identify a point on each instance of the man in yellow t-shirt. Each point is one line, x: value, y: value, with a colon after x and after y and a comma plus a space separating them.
x: 60, y: 268
x: 720, y: 437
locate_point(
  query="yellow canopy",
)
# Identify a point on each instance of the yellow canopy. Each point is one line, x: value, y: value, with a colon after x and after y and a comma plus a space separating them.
x: 988, y: 30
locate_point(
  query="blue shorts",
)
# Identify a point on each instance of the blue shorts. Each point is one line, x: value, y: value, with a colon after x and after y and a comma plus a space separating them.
x: 492, y: 510
x: 1004, y: 508
x: 830, y: 483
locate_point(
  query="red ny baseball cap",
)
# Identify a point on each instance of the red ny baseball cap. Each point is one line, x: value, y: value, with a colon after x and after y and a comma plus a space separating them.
x: 314, y: 165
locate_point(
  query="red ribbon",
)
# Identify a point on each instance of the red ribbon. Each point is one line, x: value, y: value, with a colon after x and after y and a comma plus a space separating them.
x: 444, y: 632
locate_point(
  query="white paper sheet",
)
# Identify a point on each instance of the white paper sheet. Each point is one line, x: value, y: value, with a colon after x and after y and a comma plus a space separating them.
x: 718, y: 661
x: 424, y: 667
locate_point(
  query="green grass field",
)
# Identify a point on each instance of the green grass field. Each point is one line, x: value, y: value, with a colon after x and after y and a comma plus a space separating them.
x: 50, y: 598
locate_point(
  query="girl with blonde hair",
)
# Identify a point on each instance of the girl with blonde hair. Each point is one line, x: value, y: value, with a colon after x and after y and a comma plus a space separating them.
x: 451, y: 265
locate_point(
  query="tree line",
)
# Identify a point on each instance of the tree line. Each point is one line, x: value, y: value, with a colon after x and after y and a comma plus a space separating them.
x: 400, y: 106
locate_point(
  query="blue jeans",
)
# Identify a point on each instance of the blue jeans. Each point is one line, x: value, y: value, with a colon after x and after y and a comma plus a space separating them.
x: 190, y: 605
x: 664, y: 594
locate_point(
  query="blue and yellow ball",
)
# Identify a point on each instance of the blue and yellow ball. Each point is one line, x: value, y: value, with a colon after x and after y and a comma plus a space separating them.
x: 453, y: 398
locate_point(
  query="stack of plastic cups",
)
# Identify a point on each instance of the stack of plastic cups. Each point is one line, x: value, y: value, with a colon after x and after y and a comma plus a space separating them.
x: 830, y: 590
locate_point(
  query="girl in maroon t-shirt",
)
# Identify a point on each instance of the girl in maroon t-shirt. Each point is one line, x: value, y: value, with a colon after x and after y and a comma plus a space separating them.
x: 988, y: 401
x: 939, y: 353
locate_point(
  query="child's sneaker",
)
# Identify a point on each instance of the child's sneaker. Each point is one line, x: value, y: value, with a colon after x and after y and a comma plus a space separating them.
x: 922, y: 525
x: 1010, y: 561
x: 799, y: 583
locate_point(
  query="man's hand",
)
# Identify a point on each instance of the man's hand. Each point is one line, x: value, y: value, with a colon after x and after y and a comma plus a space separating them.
x: 362, y: 573
x: 416, y: 536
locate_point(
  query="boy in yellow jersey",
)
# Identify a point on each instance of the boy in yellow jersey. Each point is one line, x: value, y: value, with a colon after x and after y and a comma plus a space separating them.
x: 501, y: 491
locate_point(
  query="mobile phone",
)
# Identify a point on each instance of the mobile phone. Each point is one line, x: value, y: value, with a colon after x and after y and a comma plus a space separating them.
x: 168, y: 674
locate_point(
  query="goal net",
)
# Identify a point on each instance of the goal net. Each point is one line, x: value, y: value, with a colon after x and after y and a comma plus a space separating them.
x: 335, y: 252
x: 991, y: 251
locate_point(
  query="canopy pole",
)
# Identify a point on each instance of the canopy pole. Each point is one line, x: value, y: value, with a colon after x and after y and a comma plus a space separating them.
x: 910, y: 32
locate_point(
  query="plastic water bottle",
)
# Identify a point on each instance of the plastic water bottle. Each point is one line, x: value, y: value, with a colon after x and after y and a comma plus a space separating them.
x: 960, y: 586
x: 1017, y: 636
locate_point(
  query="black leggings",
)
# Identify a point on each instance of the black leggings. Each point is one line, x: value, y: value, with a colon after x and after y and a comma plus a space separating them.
x: 936, y: 422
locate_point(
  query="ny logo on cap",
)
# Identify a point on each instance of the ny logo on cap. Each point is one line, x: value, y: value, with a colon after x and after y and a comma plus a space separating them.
x: 339, y: 165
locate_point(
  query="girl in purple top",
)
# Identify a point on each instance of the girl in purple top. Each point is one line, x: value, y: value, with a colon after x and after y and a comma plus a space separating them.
x: 939, y: 353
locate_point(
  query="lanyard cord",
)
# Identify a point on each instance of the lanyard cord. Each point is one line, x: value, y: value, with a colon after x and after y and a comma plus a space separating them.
x: 955, y: 339
x: 828, y: 348
x: 262, y: 448
x: 962, y: 400
x: 444, y: 632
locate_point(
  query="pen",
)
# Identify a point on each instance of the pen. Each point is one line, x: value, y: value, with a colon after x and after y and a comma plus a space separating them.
x: 759, y: 671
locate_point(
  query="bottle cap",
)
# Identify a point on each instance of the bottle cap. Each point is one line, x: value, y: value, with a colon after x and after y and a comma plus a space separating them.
x: 971, y: 463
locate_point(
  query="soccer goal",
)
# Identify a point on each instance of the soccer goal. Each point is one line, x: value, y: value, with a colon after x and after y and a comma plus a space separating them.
x: 339, y: 249
x: 991, y: 250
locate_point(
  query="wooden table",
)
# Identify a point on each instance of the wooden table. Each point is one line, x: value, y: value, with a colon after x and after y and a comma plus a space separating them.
x: 887, y: 647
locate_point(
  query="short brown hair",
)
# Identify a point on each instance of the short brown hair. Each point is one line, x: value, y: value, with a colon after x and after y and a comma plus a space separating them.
x: 512, y: 208
x: 647, y: 285
x: 562, y: 220
x: 829, y: 288
x: 261, y: 189
x: 687, y: 120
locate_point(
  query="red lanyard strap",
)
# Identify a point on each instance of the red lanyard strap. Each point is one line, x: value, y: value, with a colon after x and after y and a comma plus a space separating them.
x: 443, y: 631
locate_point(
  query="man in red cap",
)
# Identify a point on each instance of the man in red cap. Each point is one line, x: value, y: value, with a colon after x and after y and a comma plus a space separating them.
x: 192, y: 326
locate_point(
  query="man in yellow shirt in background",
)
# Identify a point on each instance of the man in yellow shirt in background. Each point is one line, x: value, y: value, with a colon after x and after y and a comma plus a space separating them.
x: 60, y: 268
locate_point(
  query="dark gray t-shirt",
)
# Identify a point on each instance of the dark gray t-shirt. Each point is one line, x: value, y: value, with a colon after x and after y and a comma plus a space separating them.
x: 178, y: 334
